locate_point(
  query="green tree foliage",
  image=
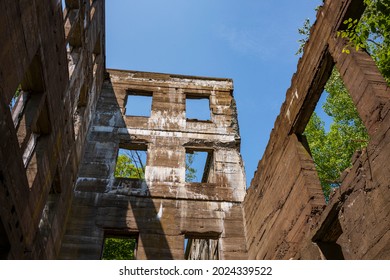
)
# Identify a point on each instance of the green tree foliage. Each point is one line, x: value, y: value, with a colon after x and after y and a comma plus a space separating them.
x: 305, y: 32
x: 372, y: 33
x: 129, y: 165
x: 15, y: 97
x: 332, y: 150
x: 190, y: 171
x: 119, y: 248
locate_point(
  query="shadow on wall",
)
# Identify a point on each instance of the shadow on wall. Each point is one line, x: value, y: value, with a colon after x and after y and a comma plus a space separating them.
x: 122, y: 207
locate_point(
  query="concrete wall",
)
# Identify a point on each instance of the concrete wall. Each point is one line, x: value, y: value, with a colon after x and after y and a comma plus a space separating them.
x: 40, y: 152
x: 162, y: 209
x: 285, y: 211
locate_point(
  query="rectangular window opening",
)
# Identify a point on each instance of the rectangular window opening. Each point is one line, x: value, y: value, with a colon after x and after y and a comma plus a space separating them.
x: 198, y: 108
x: 36, y: 147
x: 334, y: 133
x: 30, y: 149
x: 120, y: 247
x: 131, y: 163
x: 73, y: 54
x: 18, y: 104
x: 138, y: 104
x: 198, y: 164
x: 327, y: 238
x: 80, y: 109
x: 201, y: 248
x: 63, y: 5
x: 27, y: 101
x: 50, y: 208
x: 72, y: 4
x: 73, y: 33
x: 96, y: 55
x: 92, y: 8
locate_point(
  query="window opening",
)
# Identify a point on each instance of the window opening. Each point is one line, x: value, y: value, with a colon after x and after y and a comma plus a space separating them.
x: 17, y: 105
x: 72, y: 4
x: 331, y: 250
x: 120, y: 248
x: 73, y: 34
x: 201, y: 248
x: 73, y: 54
x: 63, y: 5
x: 197, y: 108
x: 92, y: 7
x: 334, y: 133
x: 27, y: 155
x: 27, y: 98
x: 73, y: 30
x: 36, y: 146
x: 80, y: 109
x: 96, y: 54
x: 138, y: 104
x: 198, y: 164
x: 50, y: 208
x: 327, y: 236
x: 130, y: 163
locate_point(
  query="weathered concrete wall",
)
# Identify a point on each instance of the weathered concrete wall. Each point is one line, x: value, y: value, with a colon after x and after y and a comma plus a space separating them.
x: 285, y: 211
x: 39, y: 149
x: 163, y: 209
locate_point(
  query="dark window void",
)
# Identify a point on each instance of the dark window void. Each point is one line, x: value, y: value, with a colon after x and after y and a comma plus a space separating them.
x: 138, y: 104
x: 4, y: 242
x: 331, y: 250
x: 201, y: 248
x: 334, y: 133
x: 34, y: 154
x: 328, y: 235
x: 70, y: 4
x: 130, y: 163
x: 118, y: 247
x: 198, y: 165
x: 197, y: 108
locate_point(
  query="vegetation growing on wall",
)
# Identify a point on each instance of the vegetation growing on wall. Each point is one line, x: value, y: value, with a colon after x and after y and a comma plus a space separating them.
x: 332, y: 150
x: 372, y: 33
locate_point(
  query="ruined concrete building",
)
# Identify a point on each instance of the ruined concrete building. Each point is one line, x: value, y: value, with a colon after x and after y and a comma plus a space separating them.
x: 65, y: 119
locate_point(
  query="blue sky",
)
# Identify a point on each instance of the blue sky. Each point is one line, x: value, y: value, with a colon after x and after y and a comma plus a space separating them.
x: 251, y: 41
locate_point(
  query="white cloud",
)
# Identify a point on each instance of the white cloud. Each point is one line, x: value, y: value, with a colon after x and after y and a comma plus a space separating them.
x: 247, y: 42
